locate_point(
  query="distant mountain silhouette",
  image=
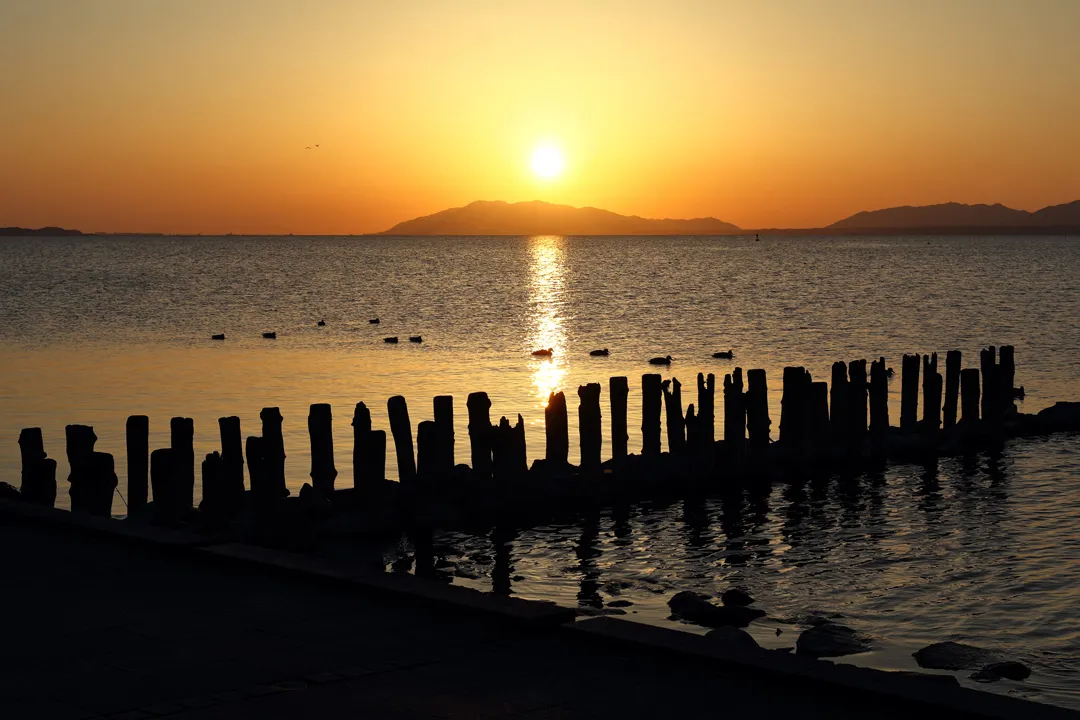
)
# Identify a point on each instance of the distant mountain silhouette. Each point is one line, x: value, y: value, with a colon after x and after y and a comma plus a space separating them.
x: 957, y: 215
x: 541, y: 218
x: 40, y: 232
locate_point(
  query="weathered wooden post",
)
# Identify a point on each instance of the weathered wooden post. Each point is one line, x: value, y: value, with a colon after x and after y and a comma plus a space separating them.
x: 444, y: 435
x: 103, y: 473
x: 676, y: 426
x: 988, y: 365
x: 80, y: 446
x: 969, y: 395
x: 557, y: 430
x: 840, y: 404
x: 38, y: 471
x: 479, y: 407
x: 706, y: 408
x: 879, y: 408
x: 273, y: 451
x: 817, y: 430
x: 138, y: 462
x: 858, y: 401
x: 651, y: 384
x: 931, y: 394
x: 427, y: 452
x: 589, y: 430
x: 321, y: 432
x: 214, y: 497
x: 262, y: 492
x: 362, y: 447
x: 401, y: 429
x: 692, y: 423
x: 757, y: 409
x: 909, y: 393
x: 182, y: 439
x: 231, y: 470
x: 792, y: 402
x: 734, y: 418
x: 952, y: 387
x: 510, y: 461
x: 163, y: 485
x: 1006, y: 376
x: 619, y: 391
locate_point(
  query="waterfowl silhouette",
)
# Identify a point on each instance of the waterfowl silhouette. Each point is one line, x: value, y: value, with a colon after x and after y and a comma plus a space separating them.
x: 270, y: 335
x: 218, y: 337
x: 416, y: 338
x: 390, y: 340
x: 661, y: 360
x: 724, y: 355
x: 599, y: 353
x: 889, y: 372
x: 374, y: 321
x: 543, y: 353
x: 321, y: 323
x: 1018, y: 393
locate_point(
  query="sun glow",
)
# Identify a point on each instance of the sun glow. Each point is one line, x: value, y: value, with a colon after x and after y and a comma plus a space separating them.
x: 548, y: 161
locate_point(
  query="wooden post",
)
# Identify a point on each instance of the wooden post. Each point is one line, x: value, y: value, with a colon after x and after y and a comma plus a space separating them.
x: 734, y: 418
x: 931, y: 418
x: 214, y: 497
x: 987, y: 363
x: 38, y: 471
x: 182, y: 439
x: 693, y: 431
x: 361, y: 457
x: 321, y: 431
x: 706, y: 408
x: 651, y: 393
x: 444, y: 435
x: 817, y: 431
x: 231, y: 470
x: 80, y: 446
x: 401, y: 429
x: 556, y: 427
x: 103, y: 473
x: 163, y: 485
x: 840, y: 404
x: 969, y: 395
x: 676, y: 426
x: 952, y: 386
x: 479, y: 407
x: 792, y: 402
x: 909, y: 393
x: 589, y: 430
x: 509, y: 452
x: 427, y: 451
x: 273, y: 452
x: 1006, y: 376
x: 138, y: 462
x: 858, y: 401
x: 757, y: 409
x: 619, y: 391
x: 879, y: 408
x: 375, y: 457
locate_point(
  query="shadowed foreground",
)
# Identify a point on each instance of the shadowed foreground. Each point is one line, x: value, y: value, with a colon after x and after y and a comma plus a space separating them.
x: 98, y: 628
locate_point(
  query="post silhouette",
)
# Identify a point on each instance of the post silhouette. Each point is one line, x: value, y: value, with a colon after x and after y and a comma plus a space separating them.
x: 38, y: 471
x: 757, y: 409
x: 427, y: 452
x: 1006, y: 377
x: 706, y: 395
x: 909, y: 393
x: 182, y: 439
x: 444, y: 435
x: 650, y: 414
x: 858, y: 403
x: 673, y: 412
x: 137, y: 434
x: 619, y: 390
x: 480, y: 433
x: 969, y: 396
x: 792, y: 407
x: 557, y: 431
x: 272, y: 448
x: 817, y: 428
x: 734, y: 418
x: 589, y: 430
x: 932, y: 383
x: 232, y: 462
x: 401, y: 429
x: 80, y: 446
x: 163, y: 483
x: 988, y: 366
x: 321, y: 432
x: 952, y: 387
x: 840, y: 405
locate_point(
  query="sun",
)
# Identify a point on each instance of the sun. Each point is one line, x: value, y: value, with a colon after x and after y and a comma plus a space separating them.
x: 548, y: 161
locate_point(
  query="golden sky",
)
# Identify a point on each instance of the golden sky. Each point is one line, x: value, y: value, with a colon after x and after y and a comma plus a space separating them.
x: 194, y: 115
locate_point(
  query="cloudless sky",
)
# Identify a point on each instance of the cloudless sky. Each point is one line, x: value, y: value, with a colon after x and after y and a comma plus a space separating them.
x: 194, y: 115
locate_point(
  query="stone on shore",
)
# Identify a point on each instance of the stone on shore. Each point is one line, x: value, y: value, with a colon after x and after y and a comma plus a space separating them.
x: 1009, y: 669
x: 732, y: 638
x: 828, y: 639
x: 697, y: 609
x: 736, y: 598
x: 954, y: 656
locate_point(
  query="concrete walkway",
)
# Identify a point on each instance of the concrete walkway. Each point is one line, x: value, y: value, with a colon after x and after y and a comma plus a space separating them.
x: 93, y: 627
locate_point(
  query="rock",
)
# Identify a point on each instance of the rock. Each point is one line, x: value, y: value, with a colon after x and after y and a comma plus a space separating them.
x: 930, y: 677
x: 9, y: 492
x: 828, y: 639
x: 733, y: 638
x: 1009, y: 669
x: 695, y: 608
x: 736, y: 598
x: 954, y: 656
x: 619, y: 603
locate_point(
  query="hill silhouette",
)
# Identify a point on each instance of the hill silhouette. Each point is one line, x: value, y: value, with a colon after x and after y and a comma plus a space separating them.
x: 540, y: 218
x: 958, y: 215
x: 39, y: 232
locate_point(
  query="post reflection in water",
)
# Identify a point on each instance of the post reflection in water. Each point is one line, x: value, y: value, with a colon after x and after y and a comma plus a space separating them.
x: 546, y: 310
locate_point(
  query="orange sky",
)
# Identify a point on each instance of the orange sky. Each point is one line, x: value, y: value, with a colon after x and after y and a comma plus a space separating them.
x: 193, y: 115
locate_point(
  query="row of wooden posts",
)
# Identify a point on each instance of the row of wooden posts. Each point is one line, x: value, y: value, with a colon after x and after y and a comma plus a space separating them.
x: 851, y: 417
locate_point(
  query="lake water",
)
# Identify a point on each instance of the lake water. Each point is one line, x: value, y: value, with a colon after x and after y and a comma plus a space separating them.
x: 981, y: 550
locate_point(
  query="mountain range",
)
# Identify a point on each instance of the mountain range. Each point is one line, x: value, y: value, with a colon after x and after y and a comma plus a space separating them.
x: 957, y: 215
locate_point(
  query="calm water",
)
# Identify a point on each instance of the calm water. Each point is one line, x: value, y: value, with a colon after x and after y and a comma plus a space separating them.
x: 93, y: 330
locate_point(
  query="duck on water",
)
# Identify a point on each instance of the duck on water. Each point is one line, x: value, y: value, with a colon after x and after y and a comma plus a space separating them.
x: 722, y: 355
x: 599, y: 353
x: 543, y: 352
x: 661, y: 360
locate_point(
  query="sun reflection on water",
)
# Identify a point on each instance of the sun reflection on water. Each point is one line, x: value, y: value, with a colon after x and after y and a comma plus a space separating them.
x: 546, y: 314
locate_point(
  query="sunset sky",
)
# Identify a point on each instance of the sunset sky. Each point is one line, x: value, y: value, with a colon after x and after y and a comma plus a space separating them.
x: 194, y: 115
